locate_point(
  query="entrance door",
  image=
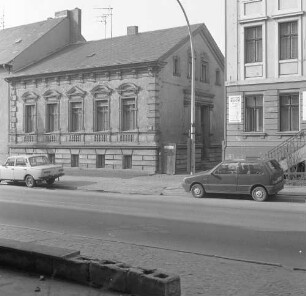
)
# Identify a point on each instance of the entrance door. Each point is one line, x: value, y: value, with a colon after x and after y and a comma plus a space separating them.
x: 205, y: 130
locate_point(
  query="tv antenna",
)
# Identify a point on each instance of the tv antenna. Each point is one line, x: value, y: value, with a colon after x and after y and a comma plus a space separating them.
x: 2, y: 23
x: 107, y: 12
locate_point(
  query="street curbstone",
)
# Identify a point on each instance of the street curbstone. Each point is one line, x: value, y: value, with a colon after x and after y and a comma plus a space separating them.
x: 155, y: 282
x: 16, y: 259
x: 109, y: 274
x: 74, y: 269
x: 68, y: 264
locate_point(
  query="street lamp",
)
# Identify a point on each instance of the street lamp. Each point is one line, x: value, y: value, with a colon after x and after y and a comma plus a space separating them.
x: 192, y: 121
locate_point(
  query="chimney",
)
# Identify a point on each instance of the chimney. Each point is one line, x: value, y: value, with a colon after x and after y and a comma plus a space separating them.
x: 63, y: 13
x: 75, y: 23
x: 132, y: 30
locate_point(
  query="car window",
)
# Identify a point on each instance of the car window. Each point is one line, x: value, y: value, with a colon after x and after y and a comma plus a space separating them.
x: 227, y: 168
x: 247, y: 168
x: 38, y: 160
x: 10, y: 162
x: 21, y: 161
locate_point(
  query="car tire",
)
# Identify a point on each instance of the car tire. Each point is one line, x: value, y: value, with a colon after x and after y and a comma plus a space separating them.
x: 30, y: 181
x: 259, y: 193
x: 50, y: 181
x: 197, y: 191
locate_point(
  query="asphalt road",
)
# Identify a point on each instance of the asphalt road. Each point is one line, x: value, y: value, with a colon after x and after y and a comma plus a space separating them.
x: 273, y: 232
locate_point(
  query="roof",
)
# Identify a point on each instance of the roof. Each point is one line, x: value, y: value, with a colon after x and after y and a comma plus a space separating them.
x: 123, y: 50
x: 14, y: 40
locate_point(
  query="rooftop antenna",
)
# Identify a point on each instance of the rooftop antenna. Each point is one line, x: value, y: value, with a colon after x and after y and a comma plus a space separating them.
x: 104, y: 16
x: 2, y: 20
x: 104, y: 21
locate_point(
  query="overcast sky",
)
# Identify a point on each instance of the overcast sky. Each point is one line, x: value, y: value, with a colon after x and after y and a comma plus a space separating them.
x: 148, y: 15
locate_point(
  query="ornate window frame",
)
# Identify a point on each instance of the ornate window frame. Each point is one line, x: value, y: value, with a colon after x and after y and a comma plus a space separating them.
x: 30, y: 98
x: 128, y: 91
x: 75, y: 95
x: 101, y: 92
x: 52, y: 97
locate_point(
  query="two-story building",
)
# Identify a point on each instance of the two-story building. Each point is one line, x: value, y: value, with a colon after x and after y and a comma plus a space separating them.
x: 121, y: 103
x: 265, y: 78
x: 22, y: 46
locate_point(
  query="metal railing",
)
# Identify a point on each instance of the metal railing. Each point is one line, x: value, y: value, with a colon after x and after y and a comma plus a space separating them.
x: 295, y: 178
x: 288, y: 147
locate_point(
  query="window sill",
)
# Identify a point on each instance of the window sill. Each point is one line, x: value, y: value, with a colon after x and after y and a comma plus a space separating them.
x: 286, y: 61
x: 253, y: 64
x: 286, y: 134
x: 254, y: 134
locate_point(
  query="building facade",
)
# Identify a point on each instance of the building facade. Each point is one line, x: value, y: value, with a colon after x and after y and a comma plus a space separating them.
x: 24, y: 45
x: 121, y: 103
x: 265, y: 77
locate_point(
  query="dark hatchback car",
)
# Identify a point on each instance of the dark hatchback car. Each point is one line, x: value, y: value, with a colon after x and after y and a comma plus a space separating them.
x: 258, y: 178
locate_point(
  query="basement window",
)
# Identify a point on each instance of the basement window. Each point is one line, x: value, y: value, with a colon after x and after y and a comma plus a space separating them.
x: 127, y: 162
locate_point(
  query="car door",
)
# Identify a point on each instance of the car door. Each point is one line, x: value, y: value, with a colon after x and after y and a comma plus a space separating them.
x: 223, y: 179
x: 7, y: 170
x: 249, y: 174
x: 20, y: 170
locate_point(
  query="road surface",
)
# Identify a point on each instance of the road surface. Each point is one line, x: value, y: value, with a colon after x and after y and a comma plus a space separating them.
x: 270, y: 232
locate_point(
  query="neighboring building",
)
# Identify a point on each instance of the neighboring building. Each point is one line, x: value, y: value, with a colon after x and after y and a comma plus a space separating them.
x: 121, y: 103
x: 22, y: 46
x: 265, y: 79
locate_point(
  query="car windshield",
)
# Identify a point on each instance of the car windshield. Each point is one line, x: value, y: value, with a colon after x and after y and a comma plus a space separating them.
x: 38, y: 160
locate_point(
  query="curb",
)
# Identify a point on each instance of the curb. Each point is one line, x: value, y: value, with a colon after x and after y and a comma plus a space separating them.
x: 70, y: 265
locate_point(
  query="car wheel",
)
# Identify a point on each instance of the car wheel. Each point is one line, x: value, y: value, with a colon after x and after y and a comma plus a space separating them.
x: 50, y: 181
x: 259, y: 193
x: 197, y: 191
x: 30, y: 182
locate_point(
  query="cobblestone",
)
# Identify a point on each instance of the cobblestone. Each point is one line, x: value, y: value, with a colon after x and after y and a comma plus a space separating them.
x: 200, y: 275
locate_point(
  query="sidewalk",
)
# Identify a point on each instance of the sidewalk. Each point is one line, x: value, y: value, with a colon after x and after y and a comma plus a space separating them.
x: 130, y: 182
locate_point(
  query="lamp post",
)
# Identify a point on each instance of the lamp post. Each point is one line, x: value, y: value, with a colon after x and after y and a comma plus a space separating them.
x: 192, y: 96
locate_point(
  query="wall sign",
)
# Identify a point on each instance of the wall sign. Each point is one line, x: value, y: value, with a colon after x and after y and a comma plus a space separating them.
x: 304, y: 105
x: 234, y: 109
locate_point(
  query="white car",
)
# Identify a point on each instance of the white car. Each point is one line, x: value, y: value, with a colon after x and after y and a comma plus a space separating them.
x: 31, y: 169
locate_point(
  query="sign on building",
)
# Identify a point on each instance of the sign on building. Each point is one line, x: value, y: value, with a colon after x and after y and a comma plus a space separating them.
x: 304, y: 105
x: 234, y: 109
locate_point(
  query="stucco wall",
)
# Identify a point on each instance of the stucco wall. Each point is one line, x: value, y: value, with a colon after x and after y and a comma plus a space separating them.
x: 173, y: 116
x: 276, y: 76
x: 64, y: 86
x: 4, y: 114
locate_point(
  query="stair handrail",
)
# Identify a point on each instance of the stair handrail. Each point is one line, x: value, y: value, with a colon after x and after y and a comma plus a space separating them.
x: 283, y: 149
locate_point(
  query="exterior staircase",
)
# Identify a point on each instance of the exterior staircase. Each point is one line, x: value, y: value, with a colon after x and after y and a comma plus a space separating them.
x: 291, y: 151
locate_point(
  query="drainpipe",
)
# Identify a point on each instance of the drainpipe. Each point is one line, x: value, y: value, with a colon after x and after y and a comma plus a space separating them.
x: 8, y: 67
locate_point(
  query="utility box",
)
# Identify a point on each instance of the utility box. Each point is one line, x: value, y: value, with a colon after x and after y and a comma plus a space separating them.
x: 169, y: 158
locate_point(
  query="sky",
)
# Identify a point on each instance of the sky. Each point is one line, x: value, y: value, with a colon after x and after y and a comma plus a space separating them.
x: 148, y: 15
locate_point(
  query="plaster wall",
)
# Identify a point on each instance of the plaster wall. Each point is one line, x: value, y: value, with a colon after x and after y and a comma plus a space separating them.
x: 4, y: 116
x: 40, y: 87
x: 268, y: 78
x: 175, y: 118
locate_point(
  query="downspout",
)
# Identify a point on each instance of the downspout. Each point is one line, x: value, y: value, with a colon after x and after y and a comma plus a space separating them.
x: 7, y: 67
